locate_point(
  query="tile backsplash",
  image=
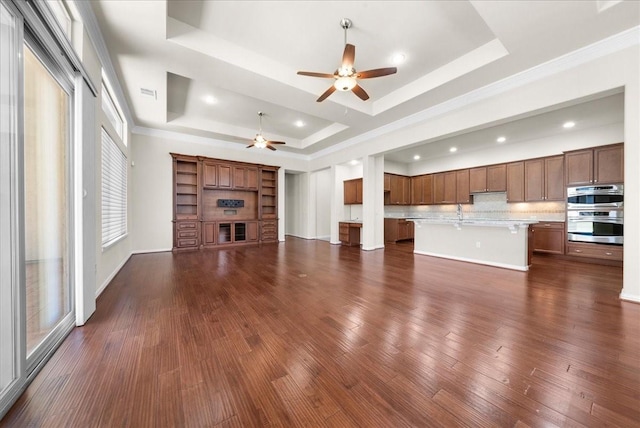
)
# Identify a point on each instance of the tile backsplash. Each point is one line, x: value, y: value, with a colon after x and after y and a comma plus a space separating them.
x: 486, y: 205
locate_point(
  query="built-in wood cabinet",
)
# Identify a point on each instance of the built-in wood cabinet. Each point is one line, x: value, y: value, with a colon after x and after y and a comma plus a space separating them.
x: 598, y: 165
x: 595, y: 251
x: 398, y: 229
x: 444, y: 188
x: 268, y: 193
x: 463, y: 195
x: 387, y: 182
x: 544, y: 179
x: 349, y: 233
x: 399, y: 190
x: 219, y: 202
x: 515, y: 182
x: 548, y: 237
x: 353, y: 191
x: 491, y: 178
x: 422, y: 190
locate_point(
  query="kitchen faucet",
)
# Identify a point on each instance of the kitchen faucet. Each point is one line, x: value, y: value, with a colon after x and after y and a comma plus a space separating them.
x: 459, y: 211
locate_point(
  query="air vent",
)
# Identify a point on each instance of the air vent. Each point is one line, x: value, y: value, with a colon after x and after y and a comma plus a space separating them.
x: 151, y: 93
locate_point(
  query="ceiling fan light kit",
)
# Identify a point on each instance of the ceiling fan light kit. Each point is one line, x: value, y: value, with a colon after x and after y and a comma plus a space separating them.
x: 346, y: 76
x: 259, y: 141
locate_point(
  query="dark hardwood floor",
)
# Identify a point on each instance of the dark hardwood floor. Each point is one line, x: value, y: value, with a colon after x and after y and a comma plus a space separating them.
x: 308, y: 334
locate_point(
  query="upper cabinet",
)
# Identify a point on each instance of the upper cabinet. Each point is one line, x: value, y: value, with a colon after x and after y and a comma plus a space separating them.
x: 226, y: 176
x: 422, y: 190
x: 463, y: 196
x: 488, y: 179
x: 353, y: 191
x: 515, y: 181
x: 444, y: 188
x: 544, y: 179
x: 399, y: 190
x: 598, y: 165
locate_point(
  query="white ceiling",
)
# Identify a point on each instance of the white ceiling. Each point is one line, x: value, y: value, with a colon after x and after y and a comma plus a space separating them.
x: 245, y: 55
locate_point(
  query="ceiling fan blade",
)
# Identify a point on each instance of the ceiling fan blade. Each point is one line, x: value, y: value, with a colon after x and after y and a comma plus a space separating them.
x: 276, y: 142
x: 249, y: 146
x: 349, y: 55
x: 360, y: 92
x: 314, y: 74
x: 271, y: 148
x: 378, y: 72
x: 328, y: 92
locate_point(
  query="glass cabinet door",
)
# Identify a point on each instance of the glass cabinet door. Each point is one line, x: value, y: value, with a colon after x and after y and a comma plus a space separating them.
x: 224, y: 233
x: 240, y: 232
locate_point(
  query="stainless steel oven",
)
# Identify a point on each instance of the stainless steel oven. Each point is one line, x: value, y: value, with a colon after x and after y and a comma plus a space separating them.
x: 594, y: 197
x: 604, y: 227
x: 595, y: 214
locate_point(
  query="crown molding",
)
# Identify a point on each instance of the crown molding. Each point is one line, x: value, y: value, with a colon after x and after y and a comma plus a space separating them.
x: 599, y: 49
x: 90, y: 23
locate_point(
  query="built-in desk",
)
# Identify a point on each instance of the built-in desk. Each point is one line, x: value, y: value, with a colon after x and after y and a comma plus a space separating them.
x: 349, y: 232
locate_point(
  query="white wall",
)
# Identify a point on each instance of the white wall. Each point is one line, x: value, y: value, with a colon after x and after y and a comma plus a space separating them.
x: 323, y: 198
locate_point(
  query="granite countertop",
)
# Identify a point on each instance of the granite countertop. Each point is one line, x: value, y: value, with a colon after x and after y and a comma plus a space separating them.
x: 475, y: 221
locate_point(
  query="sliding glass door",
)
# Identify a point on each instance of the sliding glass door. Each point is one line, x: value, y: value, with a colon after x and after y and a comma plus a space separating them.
x: 46, y: 201
x: 36, y: 233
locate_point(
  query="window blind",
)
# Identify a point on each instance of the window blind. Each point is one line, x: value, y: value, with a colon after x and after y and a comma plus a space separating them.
x: 114, y: 191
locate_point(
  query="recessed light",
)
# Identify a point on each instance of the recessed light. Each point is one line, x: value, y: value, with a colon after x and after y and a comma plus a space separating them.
x: 353, y: 162
x: 568, y: 125
x: 416, y: 157
x: 210, y: 99
x: 453, y: 149
x: 501, y: 139
x: 299, y: 123
x: 398, y: 58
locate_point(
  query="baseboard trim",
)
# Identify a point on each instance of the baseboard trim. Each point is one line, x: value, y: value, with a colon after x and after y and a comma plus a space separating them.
x: 110, y: 277
x: 481, y: 262
x: 630, y: 298
x: 160, y: 250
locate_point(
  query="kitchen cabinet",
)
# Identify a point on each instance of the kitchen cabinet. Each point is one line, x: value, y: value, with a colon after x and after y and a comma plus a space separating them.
x: 422, y: 190
x: 515, y: 181
x: 602, y: 165
x: 387, y: 182
x: 353, y: 191
x: 463, y: 196
x: 491, y: 178
x: 398, y: 229
x: 544, y: 179
x: 349, y: 233
x: 548, y: 237
x: 595, y: 251
x: 399, y: 190
x: 444, y: 188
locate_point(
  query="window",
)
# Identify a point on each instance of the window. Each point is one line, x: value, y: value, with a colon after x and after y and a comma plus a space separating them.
x: 110, y: 110
x: 114, y: 191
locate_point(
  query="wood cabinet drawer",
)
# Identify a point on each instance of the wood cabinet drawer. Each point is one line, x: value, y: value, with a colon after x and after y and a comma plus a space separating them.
x: 596, y: 251
x: 190, y: 233
x: 182, y: 225
x: 183, y: 243
x: 549, y: 225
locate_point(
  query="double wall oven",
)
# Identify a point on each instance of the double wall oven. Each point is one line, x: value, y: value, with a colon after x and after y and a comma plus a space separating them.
x: 595, y: 214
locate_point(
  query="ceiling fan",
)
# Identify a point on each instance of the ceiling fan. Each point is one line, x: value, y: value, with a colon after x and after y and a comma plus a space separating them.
x: 260, y: 142
x: 345, y: 76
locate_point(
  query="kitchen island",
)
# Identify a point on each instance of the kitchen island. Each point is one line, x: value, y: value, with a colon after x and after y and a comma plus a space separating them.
x: 501, y: 243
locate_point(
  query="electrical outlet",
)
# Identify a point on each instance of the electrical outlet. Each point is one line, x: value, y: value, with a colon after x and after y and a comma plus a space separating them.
x: 477, y: 244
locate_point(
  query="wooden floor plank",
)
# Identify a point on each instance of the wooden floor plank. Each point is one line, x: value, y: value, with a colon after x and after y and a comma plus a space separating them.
x: 304, y: 333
